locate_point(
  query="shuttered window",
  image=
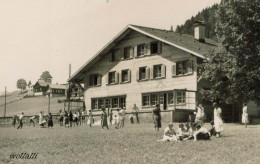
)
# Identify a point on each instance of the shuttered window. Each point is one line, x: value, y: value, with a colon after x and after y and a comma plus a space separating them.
x: 127, y: 52
x: 142, y: 73
x: 159, y: 71
x: 111, y: 78
x: 182, y: 68
x: 95, y: 80
x: 141, y: 50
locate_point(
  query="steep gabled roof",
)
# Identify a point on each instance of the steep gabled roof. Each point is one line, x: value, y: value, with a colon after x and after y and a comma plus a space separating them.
x: 43, y: 84
x: 58, y: 86
x: 182, y: 41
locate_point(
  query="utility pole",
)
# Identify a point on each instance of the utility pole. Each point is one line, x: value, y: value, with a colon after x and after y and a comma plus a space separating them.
x: 69, y: 87
x: 5, y: 102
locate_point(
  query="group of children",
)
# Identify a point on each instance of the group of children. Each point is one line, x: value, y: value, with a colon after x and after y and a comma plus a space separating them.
x: 188, y: 131
x: 69, y: 119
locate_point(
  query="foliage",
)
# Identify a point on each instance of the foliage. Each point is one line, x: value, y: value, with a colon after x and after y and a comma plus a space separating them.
x: 21, y: 84
x: 208, y: 16
x: 233, y: 70
x: 46, y: 76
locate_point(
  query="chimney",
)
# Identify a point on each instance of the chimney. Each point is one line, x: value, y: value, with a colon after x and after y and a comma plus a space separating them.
x: 199, y: 31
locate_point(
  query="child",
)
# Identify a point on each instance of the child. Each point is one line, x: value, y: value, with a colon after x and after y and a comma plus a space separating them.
x: 104, y: 118
x: 50, y: 122
x: 83, y: 117
x: 212, y: 130
x: 32, y: 120
x: 90, y: 118
x: 20, y: 121
x: 169, y: 134
x: 110, y: 118
x: 201, y: 133
x: 14, y: 120
x: 66, y: 119
x: 182, y: 132
x: 61, y: 118
x: 75, y: 119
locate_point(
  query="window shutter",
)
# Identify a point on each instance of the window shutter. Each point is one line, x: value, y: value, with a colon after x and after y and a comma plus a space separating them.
x: 110, y: 56
x: 120, y: 77
x: 122, y: 53
x: 189, y: 63
x: 116, y: 77
x: 131, y: 52
x: 86, y: 82
x: 163, y: 69
x: 99, y: 79
x: 148, y: 49
x: 135, y: 51
x: 174, y: 69
x: 117, y: 55
x: 147, y: 73
x: 159, y: 46
x: 129, y: 75
x: 107, y: 78
x: 137, y: 75
x: 151, y: 73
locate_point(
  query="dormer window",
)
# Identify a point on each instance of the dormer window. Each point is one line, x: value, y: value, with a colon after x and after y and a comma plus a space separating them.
x: 140, y: 50
x: 154, y: 47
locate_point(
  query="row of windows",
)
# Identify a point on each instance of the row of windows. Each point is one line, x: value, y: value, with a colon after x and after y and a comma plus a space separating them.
x: 151, y: 99
x: 56, y: 91
x: 143, y: 73
x: 137, y: 51
x: 148, y: 99
x: 108, y: 102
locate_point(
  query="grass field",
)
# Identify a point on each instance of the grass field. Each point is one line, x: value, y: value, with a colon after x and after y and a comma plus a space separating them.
x: 133, y: 144
x: 11, y: 97
x: 33, y: 105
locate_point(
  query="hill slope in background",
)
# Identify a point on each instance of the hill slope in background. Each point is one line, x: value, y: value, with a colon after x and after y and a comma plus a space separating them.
x: 11, y: 97
x: 32, y: 106
x: 208, y: 16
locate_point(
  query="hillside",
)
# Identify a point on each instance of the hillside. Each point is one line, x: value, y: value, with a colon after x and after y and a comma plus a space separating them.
x: 208, y: 16
x: 33, y: 105
x: 11, y: 97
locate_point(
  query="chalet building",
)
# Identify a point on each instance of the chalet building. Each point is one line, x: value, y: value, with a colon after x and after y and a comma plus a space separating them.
x: 145, y: 66
x: 77, y: 92
x: 30, y: 90
x: 58, y: 89
x: 40, y: 88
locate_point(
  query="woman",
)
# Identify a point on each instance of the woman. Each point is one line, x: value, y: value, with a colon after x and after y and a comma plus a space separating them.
x: 104, y: 118
x: 41, y: 122
x: 50, y: 122
x: 245, y: 115
x: 217, y: 119
x: 200, y: 114
x: 157, y: 117
x: 90, y: 118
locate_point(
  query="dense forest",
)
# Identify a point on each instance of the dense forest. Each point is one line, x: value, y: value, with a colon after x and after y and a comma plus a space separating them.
x: 207, y: 15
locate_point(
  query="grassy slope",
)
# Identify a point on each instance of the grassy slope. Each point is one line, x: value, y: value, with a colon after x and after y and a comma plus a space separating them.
x: 11, y: 97
x: 133, y: 144
x: 33, y: 105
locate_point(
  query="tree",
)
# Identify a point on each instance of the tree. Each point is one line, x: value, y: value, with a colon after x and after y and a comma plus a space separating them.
x: 45, y: 76
x: 233, y: 69
x: 21, y: 84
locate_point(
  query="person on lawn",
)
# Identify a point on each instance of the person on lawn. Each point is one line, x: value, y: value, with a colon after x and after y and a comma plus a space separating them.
x: 50, y: 121
x: 66, y: 119
x: 104, y: 118
x: 245, y: 115
x: 135, y: 112
x: 75, y: 119
x: 201, y: 133
x: 83, y: 117
x: 169, y: 134
x: 32, y: 120
x: 200, y: 114
x: 61, y: 118
x: 122, y: 121
x: 79, y: 117
x: 20, y: 121
x: 70, y: 118
x: 90, y: 118
x: 110, y: 117
x: 212, y: 130
x: 183, y: 133
x: 14, y: 120
x: 218, y: 122
x: 157, y: 117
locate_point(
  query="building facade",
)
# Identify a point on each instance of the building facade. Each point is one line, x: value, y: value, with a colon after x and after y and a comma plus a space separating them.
x: 144, y: 66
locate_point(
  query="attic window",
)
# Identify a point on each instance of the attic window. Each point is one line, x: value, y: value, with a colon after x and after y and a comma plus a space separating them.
x: 140, y: 50
x: 154, y: 47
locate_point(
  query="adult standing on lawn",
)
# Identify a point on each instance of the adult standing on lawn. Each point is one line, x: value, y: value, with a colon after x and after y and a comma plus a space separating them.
x: 70, y: 118
x: 80, y: 117
x: 14, y: 120
x: 200, y: 114
x: 40, y: 118
x: 104, y: 118
x: 135, y: 112
x: 218, y: 122
x: 157, y: 117
x: 50, y: 121
x: 245, y: 115
x: 61, y: 118
x: 20, y: 121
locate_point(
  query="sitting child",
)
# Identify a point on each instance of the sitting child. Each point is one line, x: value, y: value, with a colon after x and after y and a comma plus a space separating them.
x: 169, y: 134
x: 184, y: 132
x: 201, y: 133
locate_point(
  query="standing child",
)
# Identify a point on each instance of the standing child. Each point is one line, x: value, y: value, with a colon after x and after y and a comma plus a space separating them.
x: 14, y: 120
x: 218, y: 122
x: 20, y: 121
x: 245, y: 115
x: 104, y: 118
x: 66, y: 119
x: 110, y: 117
x: 70, y: 118
x: 61, y: 118
x: 32, y: 120
x: 50, y: 121
x: 83, y: 117
x: 75, y: 119
x: 90, y: 118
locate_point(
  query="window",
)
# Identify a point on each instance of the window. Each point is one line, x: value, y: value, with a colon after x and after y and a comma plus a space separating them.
x: 146, y: 100
x: 182, y: 68
x: 140, y: 50
x: 142, y: 73
x: 94, y: 103
x: 127, y: 53
x: 124, y: 76
x: 170, y: 98
x: 115, y: 103
x: 93, y: 80
x: 101, y: 103
x: 154, y: 47
x: 112, y: 55
x: 154, y: 99
x: 181, y: 97
x: 108, y: 103
x: 122, y: 102
x: 157, y: 71
x: 111, y: 77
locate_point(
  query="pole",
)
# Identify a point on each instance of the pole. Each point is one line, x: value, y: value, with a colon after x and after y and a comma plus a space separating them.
x: 49, y: 104
x: 69, y: 88
x: 5, y: 102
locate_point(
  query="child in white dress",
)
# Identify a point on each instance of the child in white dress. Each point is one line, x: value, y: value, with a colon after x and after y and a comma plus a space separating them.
x: 245, y: 115
x: 169, y: 134
x: 218, y: 122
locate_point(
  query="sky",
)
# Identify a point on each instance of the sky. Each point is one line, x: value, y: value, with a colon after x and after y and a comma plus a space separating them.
x: 48, y: 35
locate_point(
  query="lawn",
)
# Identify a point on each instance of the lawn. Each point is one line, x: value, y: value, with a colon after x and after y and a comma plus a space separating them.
x: 33, y: 105
x: 132, y: 144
